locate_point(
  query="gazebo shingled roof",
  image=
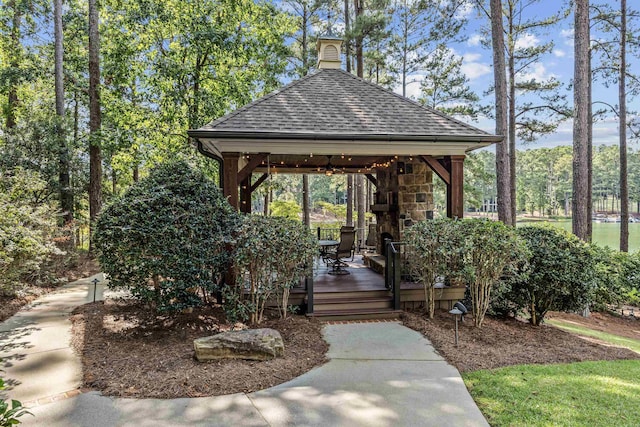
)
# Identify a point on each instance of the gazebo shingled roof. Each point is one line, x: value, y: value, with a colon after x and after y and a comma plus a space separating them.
x: 331, y: 116
x: 330, y: 106
x: 336, y: 103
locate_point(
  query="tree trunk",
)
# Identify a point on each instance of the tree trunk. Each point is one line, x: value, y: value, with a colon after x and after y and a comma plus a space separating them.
x: 502, y: 151
x: 66, y: 196
x: 14, y: 64
x: 359, y: 7
x: 347, y: 42
x: 512, y: 118
x: 624, y: 186
x: 305, y: 201
x: 580, y: 216
x: 95, y: 155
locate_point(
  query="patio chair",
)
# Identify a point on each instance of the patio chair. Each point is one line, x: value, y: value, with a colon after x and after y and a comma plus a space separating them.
x: 370, y: 242
x: 350, y: 228
x: 335, y: 258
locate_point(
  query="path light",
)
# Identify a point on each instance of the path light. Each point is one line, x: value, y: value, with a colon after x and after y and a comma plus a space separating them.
x: 457, y: 314
x: 95, y: 285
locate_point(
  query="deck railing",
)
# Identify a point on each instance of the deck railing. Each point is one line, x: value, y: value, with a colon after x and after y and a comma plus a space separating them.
x: 393, y: 270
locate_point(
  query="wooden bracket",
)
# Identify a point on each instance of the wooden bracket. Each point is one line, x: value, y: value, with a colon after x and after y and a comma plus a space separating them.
x: 259, y: 181
x: 438, y: 168
x: 371, y: 179
x: 256, y: 159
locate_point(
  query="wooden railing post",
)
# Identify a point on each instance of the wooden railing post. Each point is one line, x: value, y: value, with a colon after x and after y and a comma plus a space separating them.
x: 388, y: 275
x: 308, y: 284
x: 396, y: 279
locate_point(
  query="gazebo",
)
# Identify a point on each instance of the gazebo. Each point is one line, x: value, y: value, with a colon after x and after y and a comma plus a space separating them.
x: 331, y: 120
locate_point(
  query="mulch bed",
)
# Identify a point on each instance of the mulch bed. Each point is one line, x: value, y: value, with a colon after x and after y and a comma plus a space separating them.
x: 508, y: 342
x: 127, y: 351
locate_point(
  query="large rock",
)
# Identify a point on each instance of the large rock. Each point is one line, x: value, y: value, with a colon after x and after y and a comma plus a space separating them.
x: 252, y: 344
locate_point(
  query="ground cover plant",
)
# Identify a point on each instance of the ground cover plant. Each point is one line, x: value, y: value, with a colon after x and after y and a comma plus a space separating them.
x: 587, y: 393
x: 11, y: 411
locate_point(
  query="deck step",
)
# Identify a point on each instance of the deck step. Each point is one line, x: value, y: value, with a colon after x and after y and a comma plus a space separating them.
x: 324, y: 304
x: 333, y: 294
x: 355, y: 314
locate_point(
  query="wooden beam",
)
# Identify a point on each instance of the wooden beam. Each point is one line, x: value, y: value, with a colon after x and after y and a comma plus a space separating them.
x: 230, y: 172
x: 245, y: 195
x: 371, y: 179
x: 254, y: 161
x: 455, y: 194
x: 259, y: 181
x: 438, y: 168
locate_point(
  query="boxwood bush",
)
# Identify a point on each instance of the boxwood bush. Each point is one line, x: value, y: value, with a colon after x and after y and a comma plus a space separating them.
x: 166, y: 239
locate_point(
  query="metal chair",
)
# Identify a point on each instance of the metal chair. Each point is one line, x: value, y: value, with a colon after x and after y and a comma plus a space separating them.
x: 370, y: 244
x: 344, y: 250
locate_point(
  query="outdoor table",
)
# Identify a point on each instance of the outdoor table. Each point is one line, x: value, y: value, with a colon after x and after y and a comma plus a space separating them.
x: 324, y: 247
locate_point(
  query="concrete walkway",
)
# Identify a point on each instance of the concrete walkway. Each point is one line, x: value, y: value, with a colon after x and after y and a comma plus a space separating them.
x: 380, y: 374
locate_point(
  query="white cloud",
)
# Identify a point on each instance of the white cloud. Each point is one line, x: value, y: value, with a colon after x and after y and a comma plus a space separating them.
x: 413, y: 86
x: 474, y: 40
x: 473, y: 70
x: 536, y: 71
x: 465, y: 11
x: 558, y: 53
x: 526, y: 41
x: 568, y: 36
x: 471, y: 57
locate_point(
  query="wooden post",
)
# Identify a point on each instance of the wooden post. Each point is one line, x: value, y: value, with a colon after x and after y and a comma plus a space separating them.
x: 455, y: 187
x: 230, y: 171
x: 245, y: 195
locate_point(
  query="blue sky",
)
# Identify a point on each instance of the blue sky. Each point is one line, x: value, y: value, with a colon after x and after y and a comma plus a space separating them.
x: 477, y: 65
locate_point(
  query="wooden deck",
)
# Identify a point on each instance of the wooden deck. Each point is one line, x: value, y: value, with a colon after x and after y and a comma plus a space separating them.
x: 362, y: 294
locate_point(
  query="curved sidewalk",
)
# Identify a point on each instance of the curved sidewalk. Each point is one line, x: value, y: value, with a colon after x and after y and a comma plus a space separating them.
x: 379, y: 374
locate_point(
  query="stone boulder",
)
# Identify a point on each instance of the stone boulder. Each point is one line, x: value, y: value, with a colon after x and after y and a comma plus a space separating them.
x: 250, y: 344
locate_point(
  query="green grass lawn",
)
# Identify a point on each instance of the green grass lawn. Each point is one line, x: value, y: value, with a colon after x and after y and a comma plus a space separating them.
x: 576, y: 394
x: 629, y: 343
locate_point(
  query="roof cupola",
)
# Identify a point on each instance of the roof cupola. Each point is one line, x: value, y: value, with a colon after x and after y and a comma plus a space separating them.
x: 329, y: 50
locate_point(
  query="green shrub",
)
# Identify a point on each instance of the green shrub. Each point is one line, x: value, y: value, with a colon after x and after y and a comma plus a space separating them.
x: 476, y: 252
x: 492, y: 250
x: 609, y: 287
x: 9, y: 414
x: 630, y: 277
x: 27, y: 229
x: 431, y: 246
x: 167, y: 237
x: 271, y: 255
x: 559, y: 276
x: 285, y: 208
